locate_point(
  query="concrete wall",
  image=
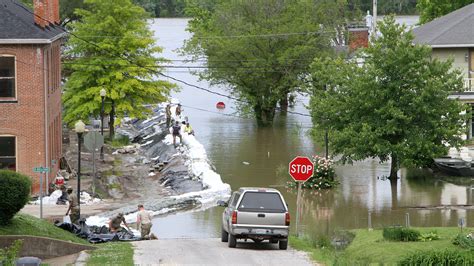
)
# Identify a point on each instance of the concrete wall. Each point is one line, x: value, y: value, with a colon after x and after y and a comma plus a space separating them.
x: 44, y: 248
x: 459, y: 56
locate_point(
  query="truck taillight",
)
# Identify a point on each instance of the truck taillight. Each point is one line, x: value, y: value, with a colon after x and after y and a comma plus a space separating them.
x: 234, y: 217
x: 287, y: 219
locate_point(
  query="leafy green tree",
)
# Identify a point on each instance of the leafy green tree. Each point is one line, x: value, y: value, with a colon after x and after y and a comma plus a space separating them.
x: 431, y: 9
x: 67, y: 8
x: 163, y: 8
x: 246, y: 47
x: 393, y: 106
x: 401, y: 7
x: 115, y: 50
x: 28, y: 3
x: 151, y: 6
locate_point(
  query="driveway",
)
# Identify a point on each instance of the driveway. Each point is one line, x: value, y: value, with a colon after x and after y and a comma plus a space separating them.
x: 212, y: 251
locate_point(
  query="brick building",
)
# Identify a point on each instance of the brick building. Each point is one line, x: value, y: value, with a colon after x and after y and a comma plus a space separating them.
x: 30, y: 87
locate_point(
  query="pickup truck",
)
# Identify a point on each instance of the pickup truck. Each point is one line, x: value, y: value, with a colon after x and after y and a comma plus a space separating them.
x: 258, y: 214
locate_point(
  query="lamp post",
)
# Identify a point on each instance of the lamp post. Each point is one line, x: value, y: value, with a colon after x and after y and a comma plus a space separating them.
x: 80, y: 127
x: 103, y: 93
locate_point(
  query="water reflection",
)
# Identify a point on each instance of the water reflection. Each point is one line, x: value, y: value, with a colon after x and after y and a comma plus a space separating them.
x: 231, y: 141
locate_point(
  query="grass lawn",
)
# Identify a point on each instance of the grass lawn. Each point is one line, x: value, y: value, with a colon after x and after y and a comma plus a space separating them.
x: 116, y: 253
x: 23, y: 224
x: 369, y: 247
x: 321, y: 255
x: 112, y: 253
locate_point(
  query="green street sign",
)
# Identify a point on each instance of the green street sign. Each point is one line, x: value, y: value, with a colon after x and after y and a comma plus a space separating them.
x: 41, y: 169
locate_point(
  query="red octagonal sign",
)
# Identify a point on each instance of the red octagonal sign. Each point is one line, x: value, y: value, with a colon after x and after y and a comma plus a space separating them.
x: 301, y: 168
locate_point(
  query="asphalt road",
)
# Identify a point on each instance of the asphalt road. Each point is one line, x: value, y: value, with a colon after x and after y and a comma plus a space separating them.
x: 213, y: 252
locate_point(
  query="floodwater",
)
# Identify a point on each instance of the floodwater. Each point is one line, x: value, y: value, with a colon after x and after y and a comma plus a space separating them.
x: 245, y: 155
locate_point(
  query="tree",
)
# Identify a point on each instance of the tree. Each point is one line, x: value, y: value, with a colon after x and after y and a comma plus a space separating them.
x: 113, y: 49
x: 431, y: 9
x: 400, y: 7
x: 67, y: 8
x: 163, y: 8
x: 247, y: 48
x: 393, y: 106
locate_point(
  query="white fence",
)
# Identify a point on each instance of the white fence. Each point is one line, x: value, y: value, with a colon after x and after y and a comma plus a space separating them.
x: 469, y: 84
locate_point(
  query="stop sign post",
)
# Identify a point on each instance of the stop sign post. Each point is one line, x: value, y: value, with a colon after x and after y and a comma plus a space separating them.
x: 301, y: 169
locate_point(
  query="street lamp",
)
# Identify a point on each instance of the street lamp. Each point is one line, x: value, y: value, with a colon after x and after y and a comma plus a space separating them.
x: 103, y: 93
x: 80, y: 127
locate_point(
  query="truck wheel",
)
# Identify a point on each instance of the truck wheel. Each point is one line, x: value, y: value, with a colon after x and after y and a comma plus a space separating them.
x: 232, y: 241
x: 283, y: 244
x: 224, y: 235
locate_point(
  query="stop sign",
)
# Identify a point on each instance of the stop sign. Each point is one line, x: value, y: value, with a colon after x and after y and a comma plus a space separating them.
x: 301, y: 168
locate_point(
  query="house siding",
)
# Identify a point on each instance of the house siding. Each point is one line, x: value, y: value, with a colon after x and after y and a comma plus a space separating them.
x: 459, y: 56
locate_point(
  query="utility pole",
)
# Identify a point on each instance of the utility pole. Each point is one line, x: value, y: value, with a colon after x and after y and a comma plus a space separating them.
x: 374, y: 21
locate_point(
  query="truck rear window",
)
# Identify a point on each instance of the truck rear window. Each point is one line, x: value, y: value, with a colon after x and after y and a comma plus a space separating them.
x: 262, y: 202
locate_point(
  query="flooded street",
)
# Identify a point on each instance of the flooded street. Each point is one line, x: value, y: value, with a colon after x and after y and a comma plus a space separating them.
x: 247, y: 156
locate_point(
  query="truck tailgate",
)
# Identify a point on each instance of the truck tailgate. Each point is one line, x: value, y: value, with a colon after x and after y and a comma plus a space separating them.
x: 260, y: 218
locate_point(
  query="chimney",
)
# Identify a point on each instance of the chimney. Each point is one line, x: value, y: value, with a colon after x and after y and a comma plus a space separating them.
x: 47, y: 11
x: 50, y: 12
x: 358, y: 38
x: 40, y: 13
x: 55, y: 15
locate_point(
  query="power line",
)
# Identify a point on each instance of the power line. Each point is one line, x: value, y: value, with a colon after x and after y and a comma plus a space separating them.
x: 271, y: 35
x: 204, y: 60
x: 225, y: 95
x: 261, y: 68
x: 214, y: 112
x: 237, y: 116
x: 157, y: 72
x: 263, y: 35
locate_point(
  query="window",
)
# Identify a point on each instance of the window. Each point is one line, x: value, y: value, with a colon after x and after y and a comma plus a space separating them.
x: 7, y: 153
x: 7, y: 77
x: 235, y: 199
x: 264, y: 202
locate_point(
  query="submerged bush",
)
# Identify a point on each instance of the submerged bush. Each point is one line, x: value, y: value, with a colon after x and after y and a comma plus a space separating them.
x: 401, y: 234
x: 464, y: 241
x: 447, y: 257
x: 14, y: 194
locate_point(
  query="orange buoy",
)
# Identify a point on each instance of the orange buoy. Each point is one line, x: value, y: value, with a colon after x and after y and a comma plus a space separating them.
x: 220, y: 105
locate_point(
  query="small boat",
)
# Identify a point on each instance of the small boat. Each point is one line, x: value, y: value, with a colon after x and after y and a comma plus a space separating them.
x: 220, y: 105
x: 455, y: 166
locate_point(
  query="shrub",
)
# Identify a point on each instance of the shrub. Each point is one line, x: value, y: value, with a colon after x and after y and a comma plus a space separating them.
x: 401, y: 234
x: 429, y: 236
x: 9, y: 255
x: 14, y: 194
x: 447, y: 257
x: 464, y: 241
